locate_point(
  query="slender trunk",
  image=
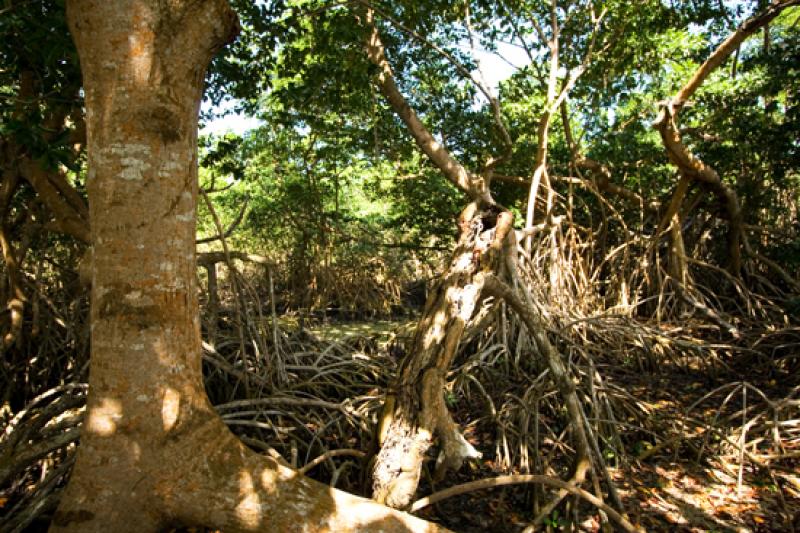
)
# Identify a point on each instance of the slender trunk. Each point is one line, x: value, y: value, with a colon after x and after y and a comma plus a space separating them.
x: 475, y: 186
x: 540, y: 166
x: 676, y: 258
x: 153, y: 452
x: 676, y: 262
x: 15, y: 297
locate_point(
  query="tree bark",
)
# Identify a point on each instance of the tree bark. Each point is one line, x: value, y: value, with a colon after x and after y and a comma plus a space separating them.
x: 417, y: 411
x: 153, y: 452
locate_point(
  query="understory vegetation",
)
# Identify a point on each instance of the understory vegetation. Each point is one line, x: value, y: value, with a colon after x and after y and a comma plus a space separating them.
x: 628, y: 348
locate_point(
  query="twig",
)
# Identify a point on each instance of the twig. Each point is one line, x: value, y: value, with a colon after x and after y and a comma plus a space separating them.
x: 327, y: 455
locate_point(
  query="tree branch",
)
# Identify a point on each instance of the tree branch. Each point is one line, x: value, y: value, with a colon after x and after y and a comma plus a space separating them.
x: 473, y: 185
x: 67, y: 206
x: 227, y: 233
x: 515, y: 479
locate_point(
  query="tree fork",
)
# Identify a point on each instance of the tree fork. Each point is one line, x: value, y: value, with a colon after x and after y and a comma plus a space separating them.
x: 153, y: 452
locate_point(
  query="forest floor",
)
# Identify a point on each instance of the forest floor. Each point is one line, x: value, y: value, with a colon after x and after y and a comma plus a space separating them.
x: 677, y: 465
x: 663, y: 489
x: 672, y: 491
x: 668, y: 491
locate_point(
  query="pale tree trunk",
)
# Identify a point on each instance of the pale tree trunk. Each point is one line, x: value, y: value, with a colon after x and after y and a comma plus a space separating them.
x: 153, y: 452
x: 415, y: 412
x: 542, y: 135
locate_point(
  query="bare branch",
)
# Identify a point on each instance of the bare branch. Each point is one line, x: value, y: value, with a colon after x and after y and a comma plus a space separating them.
x: 227, y: 233
x: 745, y: 30
x: 515, y: 479
x: 475, y: 186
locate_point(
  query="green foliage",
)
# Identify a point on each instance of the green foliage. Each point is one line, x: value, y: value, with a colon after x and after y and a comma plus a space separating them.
x: 334, y: 173
x: 39, y: 78
x: 338, y: 158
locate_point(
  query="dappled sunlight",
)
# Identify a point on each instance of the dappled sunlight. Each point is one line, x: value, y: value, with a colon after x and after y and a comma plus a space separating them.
x: 271, y: 476
x: 682, y: 495
x: 135, y: 450
x: 436, y: 331
x: 469, y: 298
x: 366, y: 510
x: 103, y: 419
x: 248, y: 511
x: 166, y: 356
x: 634, y: 345
x: 382, y: 331
x: 170, y: 407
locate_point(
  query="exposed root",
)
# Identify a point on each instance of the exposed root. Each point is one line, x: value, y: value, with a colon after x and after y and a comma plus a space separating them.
x: 524, y: 478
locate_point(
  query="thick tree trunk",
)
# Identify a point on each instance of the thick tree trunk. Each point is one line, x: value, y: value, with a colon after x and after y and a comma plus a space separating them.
x: 153, y: 452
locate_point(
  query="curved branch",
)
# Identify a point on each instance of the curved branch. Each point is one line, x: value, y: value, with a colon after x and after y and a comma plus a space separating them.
x: 478, y: 83
x: 729, y: 45
x: 691, y: 166
x: 601, y: 171
x: 327, y: 455
x: 516, y: 479
x: 473, y: 185
x: 68, y: 207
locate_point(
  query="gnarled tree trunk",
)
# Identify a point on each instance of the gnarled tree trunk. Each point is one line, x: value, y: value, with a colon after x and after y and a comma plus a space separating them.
x: 153, y: 451
x: 417, y: 411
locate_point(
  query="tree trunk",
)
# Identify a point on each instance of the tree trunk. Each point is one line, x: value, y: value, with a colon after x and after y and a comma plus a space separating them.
x: 14, y: 297
x: 153, y: 452
x: 416, y: 411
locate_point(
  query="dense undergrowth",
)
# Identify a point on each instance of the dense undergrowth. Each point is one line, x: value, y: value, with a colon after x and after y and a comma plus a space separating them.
x: 705, y: 389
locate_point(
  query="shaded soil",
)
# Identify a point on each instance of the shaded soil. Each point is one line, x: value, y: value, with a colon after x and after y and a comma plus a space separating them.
x: 669, y: 489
